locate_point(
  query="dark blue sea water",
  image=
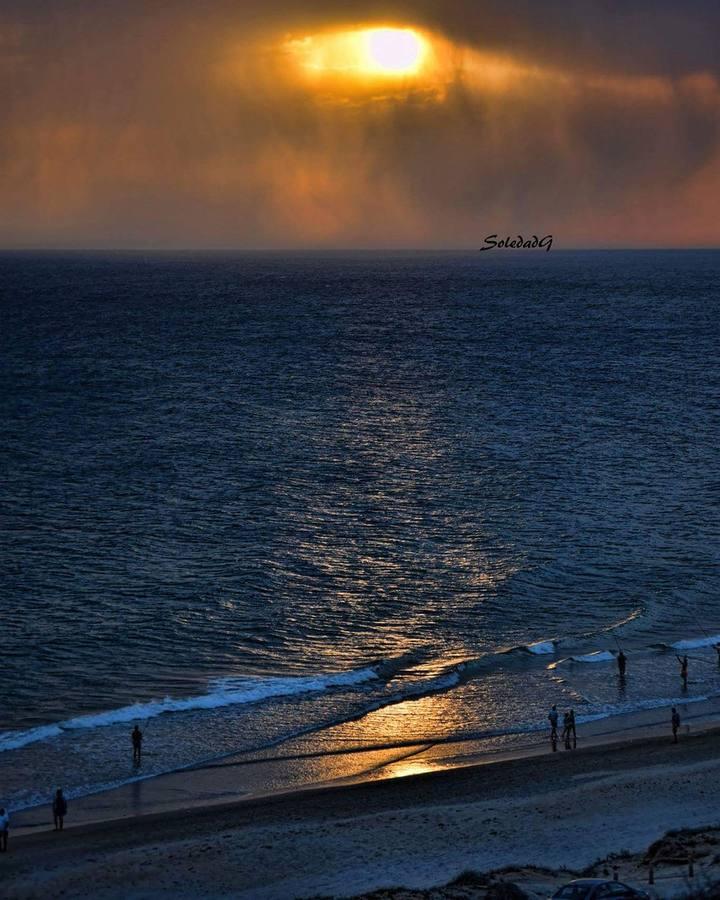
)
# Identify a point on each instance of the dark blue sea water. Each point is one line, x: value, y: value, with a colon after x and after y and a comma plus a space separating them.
x: 245, y: 496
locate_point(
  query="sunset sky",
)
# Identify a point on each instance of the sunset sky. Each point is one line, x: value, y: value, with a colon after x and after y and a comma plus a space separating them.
x: 303, y: 125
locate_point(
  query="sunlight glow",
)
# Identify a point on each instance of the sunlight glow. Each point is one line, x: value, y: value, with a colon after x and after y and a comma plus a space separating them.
x: 383, y: 62
x: 362, y: 54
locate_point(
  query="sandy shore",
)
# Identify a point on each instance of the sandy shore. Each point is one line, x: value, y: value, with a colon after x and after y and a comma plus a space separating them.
x: 567, y: 809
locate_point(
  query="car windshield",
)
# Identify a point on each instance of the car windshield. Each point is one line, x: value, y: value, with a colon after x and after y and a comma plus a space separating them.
x: 574, y: 891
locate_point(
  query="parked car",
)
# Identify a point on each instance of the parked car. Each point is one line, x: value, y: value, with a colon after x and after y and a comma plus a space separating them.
x: 597, y: 889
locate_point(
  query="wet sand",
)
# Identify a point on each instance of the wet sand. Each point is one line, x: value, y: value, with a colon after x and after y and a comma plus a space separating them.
x: 567, y: 809
x: 338, y: 756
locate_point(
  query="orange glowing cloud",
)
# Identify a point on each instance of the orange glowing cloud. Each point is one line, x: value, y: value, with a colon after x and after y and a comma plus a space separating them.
x: 296, y: 128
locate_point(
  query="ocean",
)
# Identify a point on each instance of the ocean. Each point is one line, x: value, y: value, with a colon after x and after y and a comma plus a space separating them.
x: 248, y: 497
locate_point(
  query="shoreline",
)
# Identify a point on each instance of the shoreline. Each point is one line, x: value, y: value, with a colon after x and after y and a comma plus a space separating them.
x: 273, y: 772
x: 564, y: 809
x: 442, y: 727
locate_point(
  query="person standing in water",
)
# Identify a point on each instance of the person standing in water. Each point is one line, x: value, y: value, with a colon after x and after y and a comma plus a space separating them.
x: 683, y: 660
x: 572, y: 729
x: 4, y: 829
x: 675, y: 720
x: 137, y: 739
x: 621, y: 663
x: 59, y: 809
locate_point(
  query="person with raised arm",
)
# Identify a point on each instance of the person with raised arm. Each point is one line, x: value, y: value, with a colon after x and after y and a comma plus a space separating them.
x: 683, y: 660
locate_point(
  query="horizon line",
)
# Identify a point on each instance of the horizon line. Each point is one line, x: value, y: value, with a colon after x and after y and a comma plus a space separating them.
x: 341, y: 249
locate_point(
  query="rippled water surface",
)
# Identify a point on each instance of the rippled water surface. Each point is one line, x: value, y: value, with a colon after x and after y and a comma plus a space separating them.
x: 259, y: 494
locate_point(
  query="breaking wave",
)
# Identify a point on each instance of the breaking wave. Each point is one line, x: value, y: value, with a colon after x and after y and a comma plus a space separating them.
x: 224, y: 692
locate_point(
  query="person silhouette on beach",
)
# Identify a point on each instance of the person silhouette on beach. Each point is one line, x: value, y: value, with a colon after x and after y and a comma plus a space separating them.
x: 717, y: 650
x: 675, y: 719
x: 4, y: 829
x: 59, y: 809
x: 566, y: 730
x: 683, y: 660
x: 553, y: 717
x: 572, y: 730
x: 621, y: 663
x: 137, y: 739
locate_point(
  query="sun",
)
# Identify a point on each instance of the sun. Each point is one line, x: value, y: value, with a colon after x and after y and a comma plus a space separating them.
x: 393, y: 51
x: 363, y: 57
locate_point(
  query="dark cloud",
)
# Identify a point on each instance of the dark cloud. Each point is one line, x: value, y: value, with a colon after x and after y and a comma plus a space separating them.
x: 645, y: 36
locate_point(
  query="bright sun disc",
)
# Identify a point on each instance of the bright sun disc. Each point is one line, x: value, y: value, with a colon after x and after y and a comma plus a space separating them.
x: 394, y: 50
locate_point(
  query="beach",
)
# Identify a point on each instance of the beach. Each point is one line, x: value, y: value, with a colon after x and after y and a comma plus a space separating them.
x: 534, y: 815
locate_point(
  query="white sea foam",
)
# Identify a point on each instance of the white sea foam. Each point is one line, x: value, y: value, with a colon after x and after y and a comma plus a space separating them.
x: 224, y: 692
x: 12, y: 740
x: 694, y: 643
x: 541, y: 647
x: 594, y: 657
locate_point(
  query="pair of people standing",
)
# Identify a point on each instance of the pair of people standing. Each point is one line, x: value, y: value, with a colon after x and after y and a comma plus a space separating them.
x: 569, y: 728
x: 59, y: 808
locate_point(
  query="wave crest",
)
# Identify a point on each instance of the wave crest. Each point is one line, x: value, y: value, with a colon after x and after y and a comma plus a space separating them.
x: 223, y: 692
